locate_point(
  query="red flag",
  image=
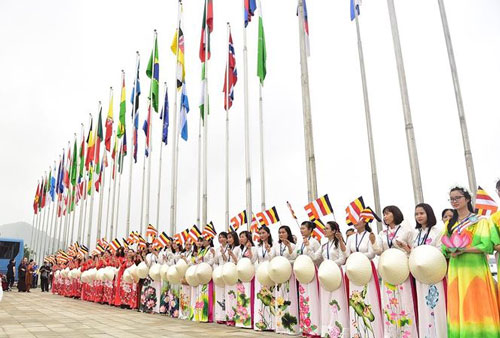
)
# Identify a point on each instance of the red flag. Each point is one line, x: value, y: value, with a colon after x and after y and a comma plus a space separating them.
x: 232, y: 77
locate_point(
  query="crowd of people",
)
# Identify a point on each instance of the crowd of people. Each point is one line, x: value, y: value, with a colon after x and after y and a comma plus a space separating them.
x: 463, y: 304
x: 27, y: 275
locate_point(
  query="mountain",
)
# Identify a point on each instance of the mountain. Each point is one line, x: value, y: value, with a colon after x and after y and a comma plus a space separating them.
x: 22, y: 230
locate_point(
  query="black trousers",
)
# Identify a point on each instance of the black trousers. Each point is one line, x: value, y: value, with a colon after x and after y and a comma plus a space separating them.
x: 45, y: 284
x: 10, y: 281
x: 34, y: 282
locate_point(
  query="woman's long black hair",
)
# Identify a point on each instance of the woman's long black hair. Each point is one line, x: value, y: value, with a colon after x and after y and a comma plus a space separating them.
x: 289, y: 236
x: 269, y: 239
x: 454, y: 219
x: 431, y: 217
x: 335, y: 227
x: 248, y: 236
x: 236, y: 239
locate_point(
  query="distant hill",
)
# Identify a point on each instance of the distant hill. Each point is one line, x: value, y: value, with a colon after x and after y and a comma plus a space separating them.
x: 21, y: 230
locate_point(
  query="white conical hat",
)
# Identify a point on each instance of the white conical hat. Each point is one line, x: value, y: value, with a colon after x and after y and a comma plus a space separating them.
x: 304, y: 269
x: 427, y: 264
x: 109, y: 273
x: 100, y: 274
x: 92, y: 273
x: 229, y: 273
x: 246, y: 270
x: 181, y: 267
x: 329, y: 275
x: 133, y: 272
x: 142, y: 270
x: 154, y: 272
x: 204, y: 273
x: 163, y: 271
x: 83, y: 276
x: 173, y: 275
x: 393, y: 266
x: 127, y: 278
x: 262, y: 274
x: 358, y: 268
x: 78, y: 272
x: 191, y: 276
x: 58, y: 273
x: 217, y: 276
x: 279, y: 269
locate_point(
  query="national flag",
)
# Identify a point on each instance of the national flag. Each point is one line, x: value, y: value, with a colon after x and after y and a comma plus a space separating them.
x: 194, y: 233
x: 164, y: 116
x: 115, y: 244
x: 109, y: 122
x: 151, y: 231
x: 153, y: 72
x: 134, y: 99
x: 123, y: 109
x: 319, y: 207
x: 82, y: 159
x: 306, y: 27
x: 146, y: 128
x: 353, y: 211
x: 261, y: 51
x: 113, y: 156
x: 209, y: 231
x: 231, y: 75
x: 52, y: 189
x: 60, y: 176
x: 208, y: 21
x: 123, y: 153
x: 74, y: 165
x: 98, y: 140
x: 355, y: 4
x: 136, y: 128
x: 177, y: 48
x: 67, y: 169
x: 36, y: 199
x: 183, y: 113
x: 319, y: 231
x: 90, y: 147
x: 485, y: 205
x: 164, y: 239
x: 249, y: 10
x: 268, y: 217
x: 291, y: 210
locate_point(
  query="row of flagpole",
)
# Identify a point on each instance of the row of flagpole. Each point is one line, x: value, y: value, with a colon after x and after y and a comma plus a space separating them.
x: 46, y: 221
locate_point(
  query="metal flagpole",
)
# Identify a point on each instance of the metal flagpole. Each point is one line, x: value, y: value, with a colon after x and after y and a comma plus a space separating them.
x: 369, y: 130
x: 226, y: 215
x: 68, y: 189
x: 80, y: 215
x: 67, y: 220
x: 110, y: 178
x: 312, y: 187
x: 59, y: 237
x: 460, y: 106
x: 52, y: 231
x: 39, y: 230
x: 86, y: 197
x: 35, y: 219
x: 91, y: 209
x: 247, y: 129
x: 206, y: 111
x: 120, y: 160
x: 175, y: 148
x: 410, y: 135
x: 42, y: 224
x: 159, y: 168
x: 261, y: 134
x: 198, y: 187
x: 142, y: 200
x: 72, y: 198
x: 115, y: 166
x: 134, y: 112
x: 101, y: 198
x: 46, y: 232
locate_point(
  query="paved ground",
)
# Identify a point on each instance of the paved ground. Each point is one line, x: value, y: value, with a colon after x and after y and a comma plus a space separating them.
x: 39, y: 314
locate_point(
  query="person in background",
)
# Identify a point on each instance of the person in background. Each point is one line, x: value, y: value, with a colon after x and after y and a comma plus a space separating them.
x: 11, y: 273
x: 29, y: 275
x: 349, y: 232
x: 44, y: 275
x: 34, y: 282
x: 21, y: 282
x: 446, y: 215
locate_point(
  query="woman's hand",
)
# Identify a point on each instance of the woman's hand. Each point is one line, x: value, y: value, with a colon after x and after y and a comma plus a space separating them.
x: 306, y: 242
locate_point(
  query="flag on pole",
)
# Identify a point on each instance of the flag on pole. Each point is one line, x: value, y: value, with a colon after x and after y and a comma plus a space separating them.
x: 319, y: 231
x: 164, y: 116
x: 355, y: 8
x: 208, y: 22
x: 82, y: 159
x: 319, y: 207
x: 98, y: 141
x: 123, y: 109
x: 109, y: 123
x: 353, y: 211
x: 261, y: 52
x: 238, y: 220
x: 209, y: 231
x: 36, y: 199
x: 145, y: 127
x: 183, y: 113
x: 67, y: 169
x: 60, y: 178
x: 194, y: 233
x: 164, y: 239
x: 115, y: 244
x: 291, y: 210
x: 268, y: 217
x: 230, y: 78
x: 485, y: 205
x: 153, y: 72
x: 249, y: 10
x: 134, y: 99
x: 52, y: 190
x: 151, y: 231
x: 177, y: 48
x: 306, y: 27
x: 123, y: 153
x: 74, y: 165
x: 90, y: 147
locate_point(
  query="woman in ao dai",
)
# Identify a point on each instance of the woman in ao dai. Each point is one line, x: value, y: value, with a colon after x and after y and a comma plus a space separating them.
x: 334, y: 306
x: 309, y: 305
x: 151, y: 290
x: 431, y: 298
x: 264, y: 296
x: 286, y: 309
x: 245, y: 290
x: 233, y: 252
x: 220, y: 291
x: 203, y: 311
x: 170, y: 293
x: 398, y: 304
x: 185, y: 309
x: 366, y: 323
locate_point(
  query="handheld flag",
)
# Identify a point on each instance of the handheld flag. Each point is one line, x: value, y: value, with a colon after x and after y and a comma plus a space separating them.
x: 319, y: 207
x: 485, y: 205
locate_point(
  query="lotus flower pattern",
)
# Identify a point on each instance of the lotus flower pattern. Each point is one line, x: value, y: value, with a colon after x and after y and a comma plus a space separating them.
x: 457, y: 241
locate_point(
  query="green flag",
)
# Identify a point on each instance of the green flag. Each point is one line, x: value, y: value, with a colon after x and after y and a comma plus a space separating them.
x: 74, y: 165
x: 204, y: 102
x: 153, y: 72
x: 123, y: 110
x: 82, y: 159
x: 261, y: 53
x: 99, y: 138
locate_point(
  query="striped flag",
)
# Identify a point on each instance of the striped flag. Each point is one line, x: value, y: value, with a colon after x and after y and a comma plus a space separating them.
x: 485, y: 205
x: 354, y: 210
x: 249, y: 10
x: 268, y: 217
x: 153, y: 72
x: 123, y: 109
x: 109, y: 123
x: 195, y: 233
x: 319, y: 230
x: 319, y: 207
x: 146, y: 128
x: 209, y: 231
x: 291, y: 210
x: 115, y: 244
x: 126, y: 243
x: 208, y: 22
x: 134, y: 99
x: 231, y: 76
x: 151, y: 231
x: 177, y: 48
x: 238, y: 220
x: 184, y: 110
x: 164, y: 239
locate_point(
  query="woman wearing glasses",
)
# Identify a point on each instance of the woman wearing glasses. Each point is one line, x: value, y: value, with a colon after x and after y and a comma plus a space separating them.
x: 472, y: 302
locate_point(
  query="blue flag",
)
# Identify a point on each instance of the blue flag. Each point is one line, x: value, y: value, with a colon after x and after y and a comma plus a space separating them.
x: 134, y: 98
x: 164, y: 116
x: 250, y: 6
x: 354, y: 3
x: 52, y: 190
x: 183, y: 113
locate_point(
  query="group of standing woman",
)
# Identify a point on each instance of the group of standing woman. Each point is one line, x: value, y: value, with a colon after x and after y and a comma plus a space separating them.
x: 463, y: 304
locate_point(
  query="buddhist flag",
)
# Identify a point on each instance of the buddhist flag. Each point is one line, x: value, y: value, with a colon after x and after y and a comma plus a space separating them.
x: 238, y: 220
x: 261, y: 52
x: 231, y: 76
x: 153, y: 72
x: 183, y: 113
x: 268, y: 217
x: 354, y: 8
x: 90, y: 147
x: 207, y: 26
x: 123, y: 109
x: 109, y: 122
x: 177, y: 48
x: 209, y: 231
x: 319, y: 207
x: 249, y: 10
x: 353, y: 211
x: 319, y: 230
x: 195, y: 233
x: 368, y: 215
x: 485, y: 205
x: 164, y: 239
x: 115, y: 244
x: 151, y: 231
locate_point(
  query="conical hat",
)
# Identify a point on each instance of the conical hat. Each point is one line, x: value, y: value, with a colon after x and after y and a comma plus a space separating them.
x: 217, y: 276
x: 204, y: 273
x: 154, y: 272
x: 142, y: 270
x: 82, y: 277
x: 329, y: 275
x: 304, y: 269
x: 246, y: 270
x: 173, y: 275
x: 58, y: 273
x: 191, y: 276
x: 358, y: 269
x: 78, y: 272
x: 427, y: 264
x: 100, y: 274
x: 262, y: 274
x: 92, y: 273
x: 393, y: 266
x: 279, y: 269
x: 229, y: 273
x: 109, y: 273
x: 127, y: 278
x: 163, y: 271
x: 133, y: 272
x: 181, y: 267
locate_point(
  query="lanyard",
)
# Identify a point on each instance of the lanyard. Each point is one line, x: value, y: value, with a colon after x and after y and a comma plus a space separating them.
x: 264, y: 251
x: 425, y: 237
x: 389, y: 242
x: 282, y: 249
x: 328, y: 247
x: 243, y: 252
x: 302, y: 247
x: 361, y: 241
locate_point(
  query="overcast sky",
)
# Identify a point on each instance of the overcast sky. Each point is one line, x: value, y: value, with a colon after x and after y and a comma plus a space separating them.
x: 59, y: 58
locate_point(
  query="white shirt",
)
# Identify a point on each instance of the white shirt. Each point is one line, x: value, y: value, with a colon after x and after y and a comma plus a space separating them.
x: 264, y: 255
x: 388, y: 238
x: 245, y: 252
x: 236, y: 252
x: 150, y: 259
x: 280, y: 249
x: 429, y: 236
x: 328, y: 251
x: 209, y: 256
x: 311, y: 250
x: 219, y: 258
x: 360, y: 243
